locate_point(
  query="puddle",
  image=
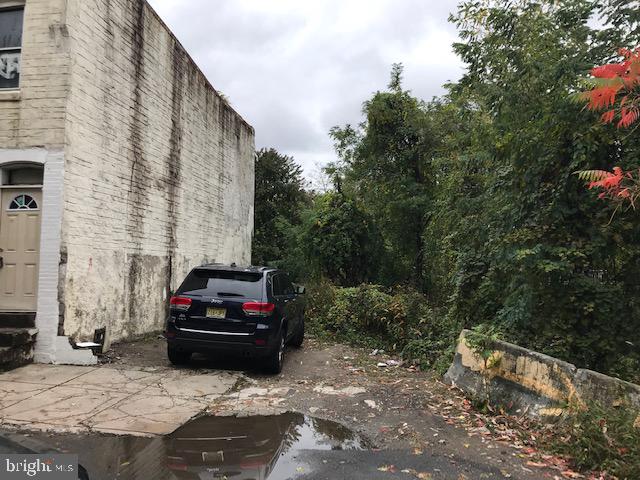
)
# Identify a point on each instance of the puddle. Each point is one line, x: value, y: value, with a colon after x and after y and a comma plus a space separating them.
x: 213, y: 448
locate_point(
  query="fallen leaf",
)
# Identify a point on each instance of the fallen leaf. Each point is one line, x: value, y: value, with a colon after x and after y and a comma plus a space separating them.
x: 387, y: 468
x: 571, y: 474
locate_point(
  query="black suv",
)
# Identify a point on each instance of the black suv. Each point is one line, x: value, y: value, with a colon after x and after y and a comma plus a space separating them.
x: 252, y: 311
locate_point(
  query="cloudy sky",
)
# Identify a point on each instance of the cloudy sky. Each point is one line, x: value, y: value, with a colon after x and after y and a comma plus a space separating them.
x: 293, y: 69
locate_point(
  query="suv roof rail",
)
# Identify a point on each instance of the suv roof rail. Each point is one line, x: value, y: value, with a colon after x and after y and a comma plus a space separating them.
x: 234, y: 265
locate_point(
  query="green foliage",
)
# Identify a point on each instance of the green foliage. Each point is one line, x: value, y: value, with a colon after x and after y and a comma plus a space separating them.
x: 481, y: 339
x: 279, y: 200
x: 602, y: 438
x: 368, y: 315
x: 592, y: 175
x: 472, y: 199
x: 517, y: 243
x: 338, y: 240
x: 386, y: 164
x: 363, y: 315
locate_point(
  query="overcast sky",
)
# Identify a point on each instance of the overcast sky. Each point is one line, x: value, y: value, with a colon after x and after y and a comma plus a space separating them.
x: 295, y: 68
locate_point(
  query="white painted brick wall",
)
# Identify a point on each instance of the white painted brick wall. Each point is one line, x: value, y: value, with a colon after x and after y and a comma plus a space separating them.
x: 140, y: 117
x: 35, y: 118
x: 32, y: 129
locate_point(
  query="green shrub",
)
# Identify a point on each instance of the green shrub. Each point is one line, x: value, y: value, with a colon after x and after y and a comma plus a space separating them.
x: 602, y: 438
x: 363, y: 315
x: 435, y: 345
x: 370, y: 315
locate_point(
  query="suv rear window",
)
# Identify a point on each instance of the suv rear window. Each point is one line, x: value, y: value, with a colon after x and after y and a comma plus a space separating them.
x: 221, y: 283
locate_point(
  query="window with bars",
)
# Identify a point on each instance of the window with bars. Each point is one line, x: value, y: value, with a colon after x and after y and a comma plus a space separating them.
x: 11, y: 20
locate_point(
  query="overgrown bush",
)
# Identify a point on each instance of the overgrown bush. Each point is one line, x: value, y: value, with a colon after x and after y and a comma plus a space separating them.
x: 400, y: 321
x: 602, y: 438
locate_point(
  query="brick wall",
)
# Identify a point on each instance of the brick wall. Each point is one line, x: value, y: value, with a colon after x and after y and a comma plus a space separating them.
x: 159, y: 171
x: 32, y: 129
x: 34, y: 117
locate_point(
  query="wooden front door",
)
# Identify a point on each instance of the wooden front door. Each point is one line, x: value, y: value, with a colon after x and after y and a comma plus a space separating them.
x: 19, y: 248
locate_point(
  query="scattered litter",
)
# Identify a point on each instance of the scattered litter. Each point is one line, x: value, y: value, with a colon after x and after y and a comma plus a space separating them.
x: 416, y: 474
x: 371, y: 404
x: 387, y: 468
x: 348, y: 391
x: 88, y: 345
x: 382, y: 365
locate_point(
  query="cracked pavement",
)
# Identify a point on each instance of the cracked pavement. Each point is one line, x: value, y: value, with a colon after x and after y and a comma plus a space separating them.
x: 138, y: 401
x: 397, y: 409
x: 413, y: 421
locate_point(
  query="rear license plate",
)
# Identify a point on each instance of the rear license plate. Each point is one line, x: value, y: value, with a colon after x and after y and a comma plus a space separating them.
x: 213, y: 458
x: 213, y: 312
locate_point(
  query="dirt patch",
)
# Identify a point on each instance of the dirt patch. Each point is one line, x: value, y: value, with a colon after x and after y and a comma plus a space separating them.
x: 394, y: 406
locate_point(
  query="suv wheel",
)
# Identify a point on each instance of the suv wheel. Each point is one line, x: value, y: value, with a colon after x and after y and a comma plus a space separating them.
x: 275, y: 360
x: 298, y: 338
x: 178, y: 357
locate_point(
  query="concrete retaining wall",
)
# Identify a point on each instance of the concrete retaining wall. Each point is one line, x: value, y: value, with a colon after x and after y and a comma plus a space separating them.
x: 532, y: 383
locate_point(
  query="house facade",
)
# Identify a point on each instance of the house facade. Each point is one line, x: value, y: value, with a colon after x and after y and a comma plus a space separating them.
x: 121, y: 168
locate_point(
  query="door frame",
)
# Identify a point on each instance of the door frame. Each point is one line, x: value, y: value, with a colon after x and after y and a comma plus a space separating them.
x: 49, y: 268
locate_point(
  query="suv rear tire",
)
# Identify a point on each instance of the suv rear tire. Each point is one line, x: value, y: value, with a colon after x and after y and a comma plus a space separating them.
x: 178, y: 357
x: 298, y: 338
x: 275, y: 360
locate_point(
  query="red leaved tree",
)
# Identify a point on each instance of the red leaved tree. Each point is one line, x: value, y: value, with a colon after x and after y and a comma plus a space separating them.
x: 616, y: 91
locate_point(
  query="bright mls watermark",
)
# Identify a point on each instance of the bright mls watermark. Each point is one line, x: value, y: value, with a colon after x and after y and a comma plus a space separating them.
x: 50, y: 467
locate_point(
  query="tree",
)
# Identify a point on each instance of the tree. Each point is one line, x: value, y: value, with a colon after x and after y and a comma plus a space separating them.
x: 526, y: 252
x: 279, y: 200
x: 615, y: 88
x: 339, y: 241
x: 385, y: 163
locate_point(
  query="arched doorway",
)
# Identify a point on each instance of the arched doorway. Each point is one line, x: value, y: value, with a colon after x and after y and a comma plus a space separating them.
x: 20, y: 223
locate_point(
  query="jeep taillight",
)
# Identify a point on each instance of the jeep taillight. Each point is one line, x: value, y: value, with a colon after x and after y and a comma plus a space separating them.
x: 180, y: 303
x: 255, y: 309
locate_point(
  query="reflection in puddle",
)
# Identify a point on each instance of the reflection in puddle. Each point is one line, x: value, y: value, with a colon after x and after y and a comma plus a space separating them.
x: 212, y: 448
x: 251, y: 448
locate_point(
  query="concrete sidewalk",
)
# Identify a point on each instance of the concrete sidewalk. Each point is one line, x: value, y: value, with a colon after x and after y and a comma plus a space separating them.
x: 143, y: 401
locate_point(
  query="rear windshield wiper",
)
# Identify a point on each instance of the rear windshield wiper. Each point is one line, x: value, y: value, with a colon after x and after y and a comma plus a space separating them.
x: 227, y: 294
